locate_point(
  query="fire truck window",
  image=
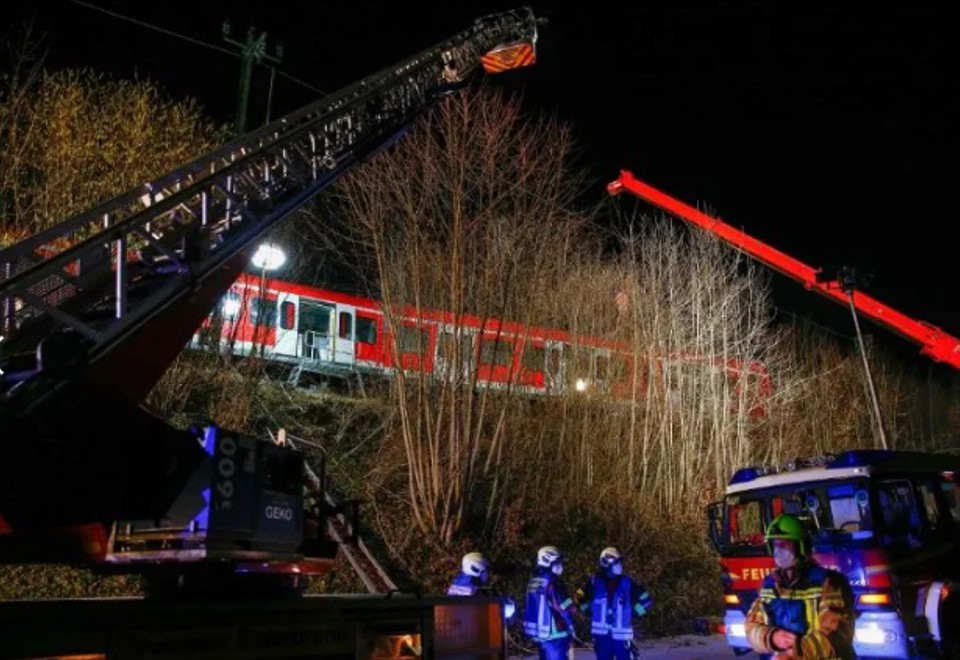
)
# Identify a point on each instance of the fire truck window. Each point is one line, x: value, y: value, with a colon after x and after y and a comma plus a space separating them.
x: 931, y: 510
x: 263, y: 312
x: 366, y: 330
x: 901, y: 519
x: 746, y: 522
x: 849, y: 508
x: 951, y: 495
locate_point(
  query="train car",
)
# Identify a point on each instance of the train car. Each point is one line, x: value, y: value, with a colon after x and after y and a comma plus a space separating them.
x: 333, y: 335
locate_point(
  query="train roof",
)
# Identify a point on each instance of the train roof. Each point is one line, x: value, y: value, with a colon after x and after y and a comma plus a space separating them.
x: 858, y: 462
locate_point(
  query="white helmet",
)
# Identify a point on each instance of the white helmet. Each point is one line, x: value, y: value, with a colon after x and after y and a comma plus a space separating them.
x: 548, y: 555
x: 610, y: 556
x: 474, y: 563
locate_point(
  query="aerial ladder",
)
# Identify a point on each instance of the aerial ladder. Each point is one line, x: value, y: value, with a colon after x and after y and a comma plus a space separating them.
x: 94, y: 309
x: 934, y: 342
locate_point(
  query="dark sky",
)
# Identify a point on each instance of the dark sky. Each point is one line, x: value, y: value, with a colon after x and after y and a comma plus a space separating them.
x: 826, y: 129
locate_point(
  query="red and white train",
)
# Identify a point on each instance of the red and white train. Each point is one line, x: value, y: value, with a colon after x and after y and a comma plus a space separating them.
x: 338, y: 335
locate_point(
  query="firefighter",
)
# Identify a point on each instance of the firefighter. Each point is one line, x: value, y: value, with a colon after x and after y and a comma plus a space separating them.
x: 613, y: 598
x: 803, y: 610
x: 548, y: 615
x: 473, y: 576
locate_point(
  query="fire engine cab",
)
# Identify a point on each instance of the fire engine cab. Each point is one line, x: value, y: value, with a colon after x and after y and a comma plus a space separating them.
x: 888, y: 520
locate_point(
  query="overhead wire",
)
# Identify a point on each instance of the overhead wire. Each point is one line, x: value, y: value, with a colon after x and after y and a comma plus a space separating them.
x: 190, y: 39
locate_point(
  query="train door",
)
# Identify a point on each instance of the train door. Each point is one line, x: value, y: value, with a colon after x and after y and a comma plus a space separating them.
x: 368, y: 339
x: 344, y: 344
x: 555, y: 378
x: 454, y: 358
x: 314, y: 326
x: 288, y: 338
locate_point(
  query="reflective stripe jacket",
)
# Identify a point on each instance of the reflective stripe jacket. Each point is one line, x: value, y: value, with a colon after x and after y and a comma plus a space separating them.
x: 612, y: 602
x: 548, y: 611
x: 464, y: 585
x: 817, y: 606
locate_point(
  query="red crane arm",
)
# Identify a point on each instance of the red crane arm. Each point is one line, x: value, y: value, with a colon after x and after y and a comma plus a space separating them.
x: 936, y: 343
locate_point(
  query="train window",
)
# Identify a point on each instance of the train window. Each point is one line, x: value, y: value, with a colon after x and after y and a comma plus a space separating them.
x: 466, y: 348
x: 496, y: 353
x: 315, y: 318
x: 619, y: 369
x: 346, y: 325
x: 414, y: 340
x: 534, y: 357
x: 263, y: 312
x: 446, y: 346
x: 230, y: 307
x: 288, y: 315
x: 601, y: 367
x: 366, y: 330
x: 554, y: 361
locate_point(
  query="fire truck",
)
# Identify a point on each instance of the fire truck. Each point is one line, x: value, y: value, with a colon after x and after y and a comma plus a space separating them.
x: 888, y: 520
x: 92, y: 312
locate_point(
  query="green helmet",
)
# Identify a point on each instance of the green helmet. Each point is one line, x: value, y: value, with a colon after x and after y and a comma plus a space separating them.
x: 787, y: 527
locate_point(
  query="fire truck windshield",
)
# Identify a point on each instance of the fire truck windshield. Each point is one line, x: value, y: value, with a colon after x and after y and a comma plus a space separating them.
x: 828, y: 509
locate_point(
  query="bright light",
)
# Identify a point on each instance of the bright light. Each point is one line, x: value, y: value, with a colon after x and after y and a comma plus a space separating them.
x: 871, y: 633
x: 268, y: 257
x: 581, y: 385
x: 737, y: 630
x: 508, y: 609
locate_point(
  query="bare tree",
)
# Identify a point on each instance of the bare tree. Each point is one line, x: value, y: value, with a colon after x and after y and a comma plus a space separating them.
x: 470, y: 215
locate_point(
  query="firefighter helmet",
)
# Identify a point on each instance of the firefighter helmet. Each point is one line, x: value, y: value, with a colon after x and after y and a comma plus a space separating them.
x: 788, y: 528
x: 474, y: 564
x: 548, y: 555
x: 610, y: 556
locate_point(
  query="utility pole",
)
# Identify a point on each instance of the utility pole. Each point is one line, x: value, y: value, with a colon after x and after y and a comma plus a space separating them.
x: 254, y: 50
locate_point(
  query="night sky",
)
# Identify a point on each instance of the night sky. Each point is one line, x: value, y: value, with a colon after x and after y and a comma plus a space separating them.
x: 828, y: 130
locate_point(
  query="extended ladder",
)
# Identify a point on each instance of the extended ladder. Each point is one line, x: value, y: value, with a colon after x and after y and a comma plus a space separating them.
x: 98, y: 278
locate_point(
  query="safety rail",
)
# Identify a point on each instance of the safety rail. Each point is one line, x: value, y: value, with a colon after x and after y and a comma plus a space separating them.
x: 361, y: 559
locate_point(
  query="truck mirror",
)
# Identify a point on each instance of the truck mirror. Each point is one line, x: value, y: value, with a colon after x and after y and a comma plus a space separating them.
x: 715, y: 523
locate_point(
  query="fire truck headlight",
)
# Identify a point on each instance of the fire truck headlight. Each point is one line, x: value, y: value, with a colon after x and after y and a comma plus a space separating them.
x: 509, y: 608
x: 871, y: 633
x: 737, y: 630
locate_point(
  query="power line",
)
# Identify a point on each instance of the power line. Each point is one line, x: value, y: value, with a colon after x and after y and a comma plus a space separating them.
x: 192, y: 40
x: 153, y: 27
